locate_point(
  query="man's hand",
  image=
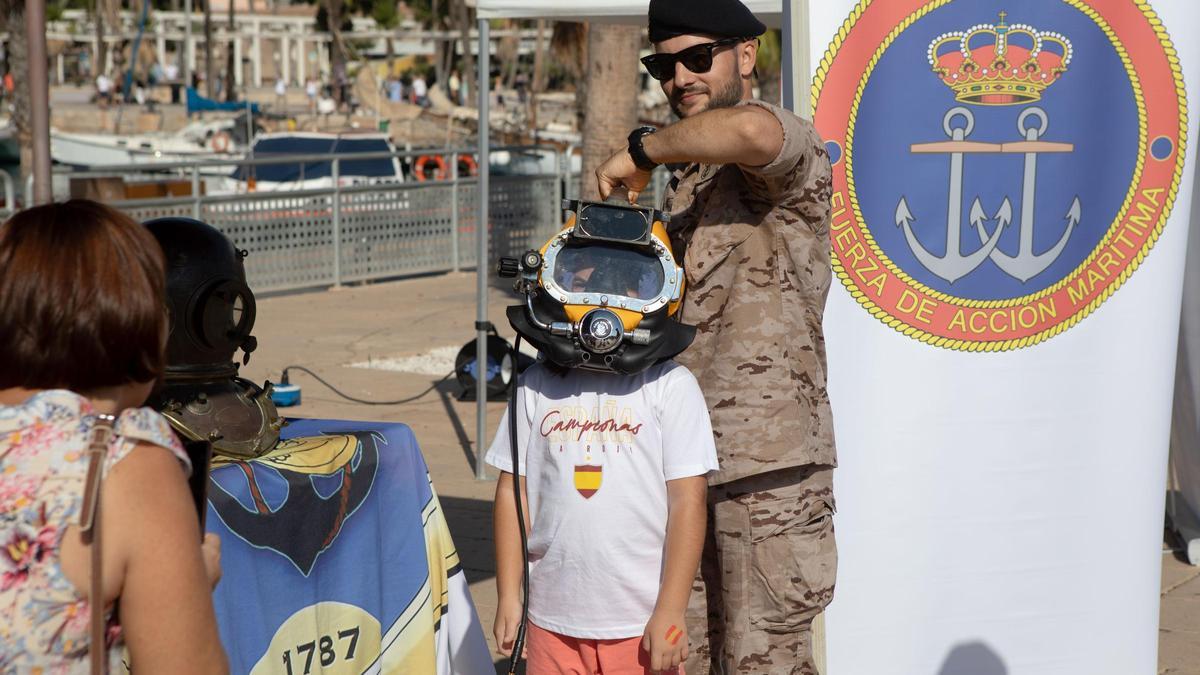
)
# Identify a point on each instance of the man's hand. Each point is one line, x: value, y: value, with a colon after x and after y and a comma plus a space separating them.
x: 619, y: 171
x: 665, y: 640
x: 508, y: 620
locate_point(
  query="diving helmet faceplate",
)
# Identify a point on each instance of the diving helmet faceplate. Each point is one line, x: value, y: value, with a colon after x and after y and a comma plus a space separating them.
x: 603, y: 292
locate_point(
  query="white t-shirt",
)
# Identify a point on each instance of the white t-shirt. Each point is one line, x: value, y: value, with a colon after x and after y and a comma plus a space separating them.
x: 419, y: 89
x: 599, y: 449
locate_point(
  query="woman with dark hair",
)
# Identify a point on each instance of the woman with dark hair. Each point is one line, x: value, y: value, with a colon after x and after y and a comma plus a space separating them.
x: 83, y: 326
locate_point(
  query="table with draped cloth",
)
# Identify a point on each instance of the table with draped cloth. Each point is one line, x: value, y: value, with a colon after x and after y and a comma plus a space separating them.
x: 337, y: 558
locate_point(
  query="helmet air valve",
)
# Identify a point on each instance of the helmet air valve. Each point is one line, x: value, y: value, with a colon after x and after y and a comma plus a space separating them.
x: 640, y: 336
x: 526, y: 267
x: 509, y: 268
x: 601, y: 331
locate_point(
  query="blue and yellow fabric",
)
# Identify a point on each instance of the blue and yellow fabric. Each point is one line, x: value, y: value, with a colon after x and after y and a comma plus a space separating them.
x: 337, y: 558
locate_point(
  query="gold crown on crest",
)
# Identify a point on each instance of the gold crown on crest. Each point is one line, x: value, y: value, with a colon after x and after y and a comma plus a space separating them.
x: 991, y: 68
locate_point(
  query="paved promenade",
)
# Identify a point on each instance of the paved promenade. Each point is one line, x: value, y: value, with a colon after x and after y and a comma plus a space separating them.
x: 418, y: 325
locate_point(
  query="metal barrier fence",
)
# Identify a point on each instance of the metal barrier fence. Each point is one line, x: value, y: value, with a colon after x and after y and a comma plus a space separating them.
x: 326, y: 237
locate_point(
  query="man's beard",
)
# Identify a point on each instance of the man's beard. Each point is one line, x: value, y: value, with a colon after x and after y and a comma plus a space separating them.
x: 727, y: 96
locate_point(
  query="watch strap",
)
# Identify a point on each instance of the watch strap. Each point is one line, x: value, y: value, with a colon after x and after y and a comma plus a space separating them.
x: 637, y: 152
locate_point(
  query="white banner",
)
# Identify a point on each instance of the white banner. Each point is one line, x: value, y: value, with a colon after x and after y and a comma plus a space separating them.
x: 625, y: 11
x: 1012, y: 183
x: 1183, y: 506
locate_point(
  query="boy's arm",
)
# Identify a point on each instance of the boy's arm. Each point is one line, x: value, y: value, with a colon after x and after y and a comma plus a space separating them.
x: 509, y: 561
x: 666, y: 635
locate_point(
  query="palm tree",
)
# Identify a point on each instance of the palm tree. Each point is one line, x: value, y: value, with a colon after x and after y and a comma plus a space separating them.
x: 12, y: 16
x: 210, y: 73
x: 387, y: 17
x: 335, y: 11
x: 538, y: 84
x: 463, y: 17
x: 105, y: 14
x: 508, y: 51
x: 231, y: 64
x: 568, y: 46
x: 438, y: 15
x: 610, y: 112
x: 769, y: 64
x: 97, y: 7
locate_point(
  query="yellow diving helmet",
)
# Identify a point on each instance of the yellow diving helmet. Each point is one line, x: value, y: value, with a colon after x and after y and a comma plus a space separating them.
x: 603, y: 292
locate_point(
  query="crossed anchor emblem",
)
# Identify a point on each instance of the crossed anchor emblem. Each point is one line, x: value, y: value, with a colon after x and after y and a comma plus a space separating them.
x: 955, y: 264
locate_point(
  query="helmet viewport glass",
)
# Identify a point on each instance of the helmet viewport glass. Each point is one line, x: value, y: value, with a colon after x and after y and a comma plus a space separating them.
x: 608, y: 270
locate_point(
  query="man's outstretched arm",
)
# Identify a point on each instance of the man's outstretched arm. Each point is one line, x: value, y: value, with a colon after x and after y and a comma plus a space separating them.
x: 749, y: 135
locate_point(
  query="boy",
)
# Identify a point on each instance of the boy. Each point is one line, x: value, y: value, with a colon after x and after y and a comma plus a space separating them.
x: 616, y: 515
x: 614, y: 443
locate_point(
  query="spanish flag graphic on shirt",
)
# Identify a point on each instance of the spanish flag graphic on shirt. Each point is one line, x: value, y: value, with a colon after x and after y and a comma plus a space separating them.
x: 587, y: 479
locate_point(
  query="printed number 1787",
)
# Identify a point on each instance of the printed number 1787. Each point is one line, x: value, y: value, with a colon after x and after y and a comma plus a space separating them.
x: 323, y: 647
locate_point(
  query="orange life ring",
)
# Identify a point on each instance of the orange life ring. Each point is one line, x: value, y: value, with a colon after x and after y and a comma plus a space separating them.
x: 438, y: 161
x: 221, y: 141
x: 467, y: 166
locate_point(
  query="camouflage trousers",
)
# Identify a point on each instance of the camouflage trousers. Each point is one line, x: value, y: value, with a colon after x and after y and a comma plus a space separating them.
x: 767, y: 570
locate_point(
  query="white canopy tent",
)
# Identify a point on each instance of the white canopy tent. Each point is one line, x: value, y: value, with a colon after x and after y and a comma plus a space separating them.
x: 785, y: 14
x: 623, y: 11
x: 790, y: 15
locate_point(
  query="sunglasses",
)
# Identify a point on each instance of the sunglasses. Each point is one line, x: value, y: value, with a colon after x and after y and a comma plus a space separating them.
x: 697, y: 59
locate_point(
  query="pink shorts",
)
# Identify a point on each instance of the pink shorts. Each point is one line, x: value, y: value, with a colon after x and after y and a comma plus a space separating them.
x: 549, y: 653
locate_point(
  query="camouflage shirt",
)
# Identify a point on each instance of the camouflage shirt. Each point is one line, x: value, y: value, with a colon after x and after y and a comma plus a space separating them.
x: 758, y: 272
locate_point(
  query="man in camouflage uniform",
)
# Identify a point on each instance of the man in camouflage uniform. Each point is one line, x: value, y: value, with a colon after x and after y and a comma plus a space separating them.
x: 749, y: 205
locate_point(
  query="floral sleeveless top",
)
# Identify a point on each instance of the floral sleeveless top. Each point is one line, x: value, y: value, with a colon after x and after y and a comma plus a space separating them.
x: 43, y: 462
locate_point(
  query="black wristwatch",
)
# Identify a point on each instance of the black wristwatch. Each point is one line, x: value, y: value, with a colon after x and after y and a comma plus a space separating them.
x: 637, y: 152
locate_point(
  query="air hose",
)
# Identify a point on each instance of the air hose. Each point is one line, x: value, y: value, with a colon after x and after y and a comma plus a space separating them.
x: 285, y: 385
x: 519, y: 642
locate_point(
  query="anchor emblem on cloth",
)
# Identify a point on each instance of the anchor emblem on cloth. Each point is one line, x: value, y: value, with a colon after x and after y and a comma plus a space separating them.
x: 954, y: 264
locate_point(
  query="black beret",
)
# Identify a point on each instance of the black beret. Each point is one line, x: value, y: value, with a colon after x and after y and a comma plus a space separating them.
x: 722, y: 18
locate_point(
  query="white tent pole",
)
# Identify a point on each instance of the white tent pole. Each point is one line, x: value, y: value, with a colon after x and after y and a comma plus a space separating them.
x: 797, y: 84
x: 796, y: 24
x: 482, y: 266
x: 787, y: 90
x: 796, y: 98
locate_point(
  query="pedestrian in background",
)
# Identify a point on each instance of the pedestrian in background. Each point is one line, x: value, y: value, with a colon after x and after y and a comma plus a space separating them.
x: 453, y: 83
x: 104, y: 87
x: 281, y: 94
x: 310, y: 90
x: 420, y: 91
